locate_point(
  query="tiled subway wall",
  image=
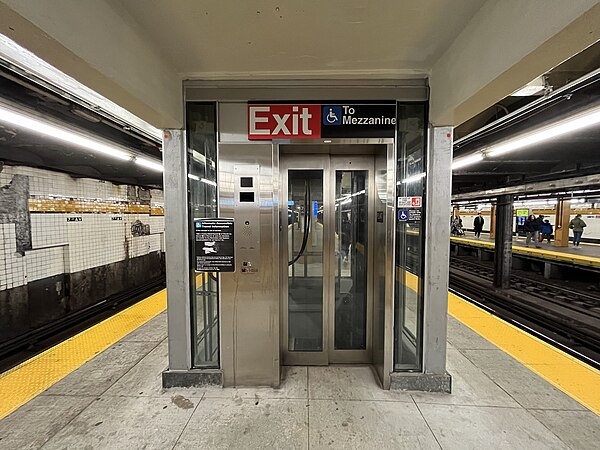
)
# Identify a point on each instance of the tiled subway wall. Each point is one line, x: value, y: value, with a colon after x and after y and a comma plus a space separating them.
x: 77, y: 224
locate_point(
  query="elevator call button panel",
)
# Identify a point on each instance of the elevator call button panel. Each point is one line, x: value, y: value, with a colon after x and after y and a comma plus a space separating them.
x: 246, y: 212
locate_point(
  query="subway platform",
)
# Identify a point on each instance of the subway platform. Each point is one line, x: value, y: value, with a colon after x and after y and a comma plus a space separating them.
x: 115, y: 400
x: 587, y: 255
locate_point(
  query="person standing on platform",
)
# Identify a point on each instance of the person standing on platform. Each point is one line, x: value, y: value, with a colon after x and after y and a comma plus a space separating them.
x: 532, y: 230
x: 577, y: 225
x: 539, y: 223
x: 478, y: 225
x: 547, y: 230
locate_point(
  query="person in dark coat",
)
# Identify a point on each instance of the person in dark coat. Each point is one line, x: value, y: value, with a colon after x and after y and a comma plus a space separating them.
x: 532, y: 230
x: 478, y: 225
x: 546, y: 230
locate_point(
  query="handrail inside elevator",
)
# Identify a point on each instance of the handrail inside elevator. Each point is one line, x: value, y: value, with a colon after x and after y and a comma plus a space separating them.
x: 306, y: 224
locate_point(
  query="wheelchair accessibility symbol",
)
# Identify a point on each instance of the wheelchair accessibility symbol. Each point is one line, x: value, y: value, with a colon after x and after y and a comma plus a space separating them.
x: 403, y: 215
x: 332, y: 115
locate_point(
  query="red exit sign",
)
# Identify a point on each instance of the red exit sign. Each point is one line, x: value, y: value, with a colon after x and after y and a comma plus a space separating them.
x: 294, y: 121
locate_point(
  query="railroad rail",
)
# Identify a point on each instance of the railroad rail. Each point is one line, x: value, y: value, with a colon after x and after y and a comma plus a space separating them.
x: 567, y: 318
x: 29, y: 344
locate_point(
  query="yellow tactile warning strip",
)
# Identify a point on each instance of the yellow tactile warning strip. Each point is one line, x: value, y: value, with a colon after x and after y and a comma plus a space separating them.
x: 30, y: 378
x: 580, y: 260
x: 574, y: 378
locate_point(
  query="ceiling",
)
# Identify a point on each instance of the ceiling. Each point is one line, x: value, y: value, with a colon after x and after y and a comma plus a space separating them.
x: 397, y: 37
x: 568, y: 156
x: 18, y: 146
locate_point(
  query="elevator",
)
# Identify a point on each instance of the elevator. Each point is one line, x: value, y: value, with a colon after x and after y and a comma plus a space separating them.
x: 333, y: 214
x: 313, y: 215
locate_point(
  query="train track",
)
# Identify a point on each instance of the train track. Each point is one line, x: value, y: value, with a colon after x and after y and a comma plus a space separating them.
x: 27, y: 345
x: 566, y: 318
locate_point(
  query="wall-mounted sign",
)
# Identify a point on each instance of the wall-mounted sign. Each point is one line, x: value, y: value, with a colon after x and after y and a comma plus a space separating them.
x: 266, y: 122
x: 409, y: 202
x: 75, y: 219
x: 358, y: 120
x: 314, y: 121
x: 414, y: 215
x: 214, y: 245
x: 522, y: 212
x: 409, y: 215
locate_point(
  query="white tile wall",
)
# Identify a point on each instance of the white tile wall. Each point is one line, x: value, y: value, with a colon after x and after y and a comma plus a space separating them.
x: 11, y: 262
x: 94, y: 241
x: 44, y: 263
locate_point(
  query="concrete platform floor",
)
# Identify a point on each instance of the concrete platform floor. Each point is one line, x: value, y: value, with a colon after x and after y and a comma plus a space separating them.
x: 115, y: 401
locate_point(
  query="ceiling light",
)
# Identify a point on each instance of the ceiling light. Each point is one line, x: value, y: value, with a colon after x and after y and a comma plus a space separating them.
x: 46, y: 128
x: 536, y: 86
x: 23, y: 58
x: 573, y: 123
x: 148, y: 163
x: 466, y: 161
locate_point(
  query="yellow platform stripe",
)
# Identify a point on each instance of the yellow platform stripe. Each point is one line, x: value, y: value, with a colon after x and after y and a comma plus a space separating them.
x: 30, y: 378
x: 573, y: 377
x: 541, y: 253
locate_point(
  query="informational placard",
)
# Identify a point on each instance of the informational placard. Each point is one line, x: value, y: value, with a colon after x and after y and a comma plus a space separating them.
x: 214, y: 246
x: 414, y: 215
x: 522, y: 212
x: 409, y: 202
x: 409, y: 215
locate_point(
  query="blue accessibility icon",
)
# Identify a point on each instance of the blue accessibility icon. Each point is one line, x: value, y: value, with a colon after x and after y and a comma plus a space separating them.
x: 332, y: 115
x: 403, y: 215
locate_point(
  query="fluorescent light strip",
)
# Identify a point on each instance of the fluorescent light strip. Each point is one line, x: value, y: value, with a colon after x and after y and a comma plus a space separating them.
x: 212, y: 183
x: 45, y: 128
x: 466, y: 161
x: 148, y: 163
x: 23, y: 58
x: 574, y: 123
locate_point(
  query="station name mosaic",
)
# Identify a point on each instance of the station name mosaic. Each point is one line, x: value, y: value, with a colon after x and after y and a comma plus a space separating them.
x: 315, y: 121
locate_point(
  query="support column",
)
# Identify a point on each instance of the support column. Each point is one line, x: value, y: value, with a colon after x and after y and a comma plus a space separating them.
x: 561, y: 223
x: 503, y: 241
x: 177, y: 259
x: 493, y: 221
x: 435, y: 283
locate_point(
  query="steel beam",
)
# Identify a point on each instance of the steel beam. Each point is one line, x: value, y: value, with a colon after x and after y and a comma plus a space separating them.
x: 503, y: 241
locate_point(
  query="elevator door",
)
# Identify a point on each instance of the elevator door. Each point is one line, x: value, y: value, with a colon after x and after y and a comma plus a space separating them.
x: 326, y: 246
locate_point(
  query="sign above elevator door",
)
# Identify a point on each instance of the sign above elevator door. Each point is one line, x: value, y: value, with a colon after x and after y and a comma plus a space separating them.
x: 315, y: 121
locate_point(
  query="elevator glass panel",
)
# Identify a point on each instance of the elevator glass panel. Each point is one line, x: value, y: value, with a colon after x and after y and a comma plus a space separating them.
x: 410, y: 239
x: 202, y: 180
x: 351, y: 236
x: 305, y: 260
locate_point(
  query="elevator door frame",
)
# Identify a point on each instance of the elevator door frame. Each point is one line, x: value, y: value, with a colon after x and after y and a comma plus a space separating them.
x: 329, y: 164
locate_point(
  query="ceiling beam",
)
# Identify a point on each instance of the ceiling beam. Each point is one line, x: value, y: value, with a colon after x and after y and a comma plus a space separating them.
x: 584, y: 182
